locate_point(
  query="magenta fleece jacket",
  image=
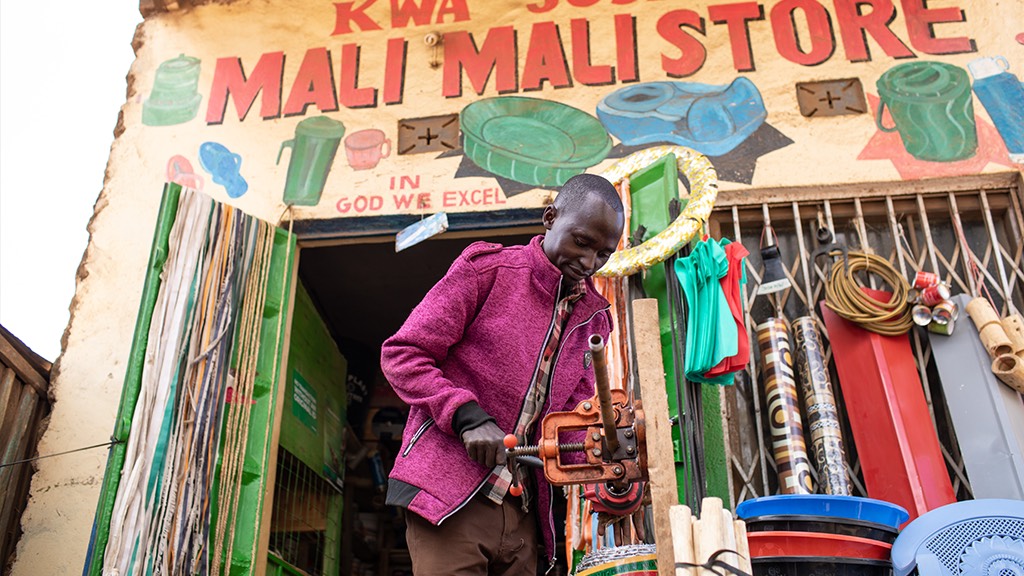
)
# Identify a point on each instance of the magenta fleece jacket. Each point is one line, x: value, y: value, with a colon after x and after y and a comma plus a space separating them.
x: 476, y: 337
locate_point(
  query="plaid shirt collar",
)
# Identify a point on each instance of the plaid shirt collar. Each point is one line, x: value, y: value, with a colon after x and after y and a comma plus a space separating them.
x: 500, y: 479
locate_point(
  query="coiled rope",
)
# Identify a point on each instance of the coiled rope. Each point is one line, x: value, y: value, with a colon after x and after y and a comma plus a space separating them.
x: 843, y: 295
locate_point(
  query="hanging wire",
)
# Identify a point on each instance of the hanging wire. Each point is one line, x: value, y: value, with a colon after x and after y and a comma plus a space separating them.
x: 82, y: 449
x: 971, y: 264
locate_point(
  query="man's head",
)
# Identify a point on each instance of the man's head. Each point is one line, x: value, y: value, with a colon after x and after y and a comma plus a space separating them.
x: 583, y: 226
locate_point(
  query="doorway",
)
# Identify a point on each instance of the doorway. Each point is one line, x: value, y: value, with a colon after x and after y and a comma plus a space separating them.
x: 363, y: 290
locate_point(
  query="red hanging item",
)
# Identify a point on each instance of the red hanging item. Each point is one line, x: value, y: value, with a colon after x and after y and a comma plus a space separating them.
x: 735, y: 253
x: 896, y: 441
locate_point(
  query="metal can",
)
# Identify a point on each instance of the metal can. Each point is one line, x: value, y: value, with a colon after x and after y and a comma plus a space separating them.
x: 922, y: 314
x: 945, y: 312
x: 933, y: 295
x: 925, y: 279
x: 944, y: 329
x: 913, y: 296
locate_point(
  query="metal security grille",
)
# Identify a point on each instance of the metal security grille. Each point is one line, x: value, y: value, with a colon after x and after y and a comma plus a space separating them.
x: 306, y: 521
x: 920, y: 230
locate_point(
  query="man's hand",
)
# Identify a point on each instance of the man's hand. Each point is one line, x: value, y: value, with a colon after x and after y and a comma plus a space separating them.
x: 485, y: 444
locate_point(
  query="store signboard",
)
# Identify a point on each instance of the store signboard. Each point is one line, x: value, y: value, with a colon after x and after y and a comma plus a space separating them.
x: 383, y: 107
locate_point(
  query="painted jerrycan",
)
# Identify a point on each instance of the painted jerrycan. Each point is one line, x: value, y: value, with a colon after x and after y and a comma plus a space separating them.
x: 1002, y: 95
x: 175, y: 96
x: 932, y: 108
x: 313, y: 148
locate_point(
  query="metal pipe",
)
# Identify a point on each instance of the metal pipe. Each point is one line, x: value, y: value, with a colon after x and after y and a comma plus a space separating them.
x: 604, y: 392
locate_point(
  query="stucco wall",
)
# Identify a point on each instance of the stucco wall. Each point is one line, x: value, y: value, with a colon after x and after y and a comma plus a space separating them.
x: 288, y: 38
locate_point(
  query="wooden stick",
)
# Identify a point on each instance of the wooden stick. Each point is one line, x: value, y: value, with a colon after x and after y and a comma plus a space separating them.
x: 695, y: 531
x: 711, y: 529
x: 728, y: 538
x: 742, y: 546
x: 682, y: 538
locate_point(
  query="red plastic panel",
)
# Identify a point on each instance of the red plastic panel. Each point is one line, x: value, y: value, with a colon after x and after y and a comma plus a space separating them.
x: 785, y: 543
x: 898, y: 447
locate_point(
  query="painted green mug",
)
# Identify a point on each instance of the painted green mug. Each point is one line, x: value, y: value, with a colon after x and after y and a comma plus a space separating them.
x: 313, y: 148
x: 932, y: 109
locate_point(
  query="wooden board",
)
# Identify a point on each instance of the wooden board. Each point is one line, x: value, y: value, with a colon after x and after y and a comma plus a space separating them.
x: 660, y: 456
x: 22, y: 367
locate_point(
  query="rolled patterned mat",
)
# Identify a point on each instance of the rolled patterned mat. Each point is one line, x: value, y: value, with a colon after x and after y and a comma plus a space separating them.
x: 827, y: 451
x: 784, y: 421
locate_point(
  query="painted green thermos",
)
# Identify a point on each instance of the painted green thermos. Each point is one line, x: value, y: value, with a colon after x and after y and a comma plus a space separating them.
x: 932, y: 109
x: 313, y: 148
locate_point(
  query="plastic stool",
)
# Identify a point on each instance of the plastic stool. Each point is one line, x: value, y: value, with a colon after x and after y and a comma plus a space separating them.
x: 977, y: 537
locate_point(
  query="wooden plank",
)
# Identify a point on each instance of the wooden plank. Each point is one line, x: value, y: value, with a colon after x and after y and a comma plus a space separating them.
x: 660, y: 456
x: 449, y: 235
x: 10, y: 392
x: 971, y: 183
x: 25, y: 371
x: 15, y: 448
x: 10, y: 517
x: 40, y: 364
x: 344, y: 227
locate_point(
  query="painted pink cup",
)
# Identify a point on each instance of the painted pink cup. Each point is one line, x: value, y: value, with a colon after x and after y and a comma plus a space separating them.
x: 365, y: 148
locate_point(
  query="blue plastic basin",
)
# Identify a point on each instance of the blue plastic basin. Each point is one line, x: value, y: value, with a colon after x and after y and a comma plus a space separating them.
x: 853, y: 507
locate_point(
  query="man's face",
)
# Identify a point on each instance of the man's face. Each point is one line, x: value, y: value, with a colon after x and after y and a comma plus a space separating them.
x: 579, y: 240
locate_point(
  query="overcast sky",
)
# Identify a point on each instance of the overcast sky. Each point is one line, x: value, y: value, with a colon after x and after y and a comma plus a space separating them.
x: 62, y: 80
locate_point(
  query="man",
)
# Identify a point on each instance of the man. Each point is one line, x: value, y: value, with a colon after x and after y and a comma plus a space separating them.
x: 500, y: 341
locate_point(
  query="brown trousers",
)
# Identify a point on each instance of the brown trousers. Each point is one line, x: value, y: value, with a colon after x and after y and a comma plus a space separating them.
x: 479, y: 540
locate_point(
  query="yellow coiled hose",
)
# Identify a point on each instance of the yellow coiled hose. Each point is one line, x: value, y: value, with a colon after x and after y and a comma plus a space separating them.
x: 843, y: 294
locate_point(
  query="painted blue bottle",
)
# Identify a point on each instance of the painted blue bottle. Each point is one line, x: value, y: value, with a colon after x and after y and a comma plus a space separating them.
x: 1002, y: 95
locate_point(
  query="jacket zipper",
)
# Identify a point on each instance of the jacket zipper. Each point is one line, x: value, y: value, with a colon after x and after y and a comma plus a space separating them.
x: 554, y: 362
x: 416, y: 437
x: 551, y: 490
x: 533, y: 378
x: 551, y: 524
x: 466, y: 501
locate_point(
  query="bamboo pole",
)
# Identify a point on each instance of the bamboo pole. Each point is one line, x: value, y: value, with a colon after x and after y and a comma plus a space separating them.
x: 990, y: 329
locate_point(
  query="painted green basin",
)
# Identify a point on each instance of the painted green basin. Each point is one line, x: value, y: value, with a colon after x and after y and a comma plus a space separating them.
x: 532, y: 141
